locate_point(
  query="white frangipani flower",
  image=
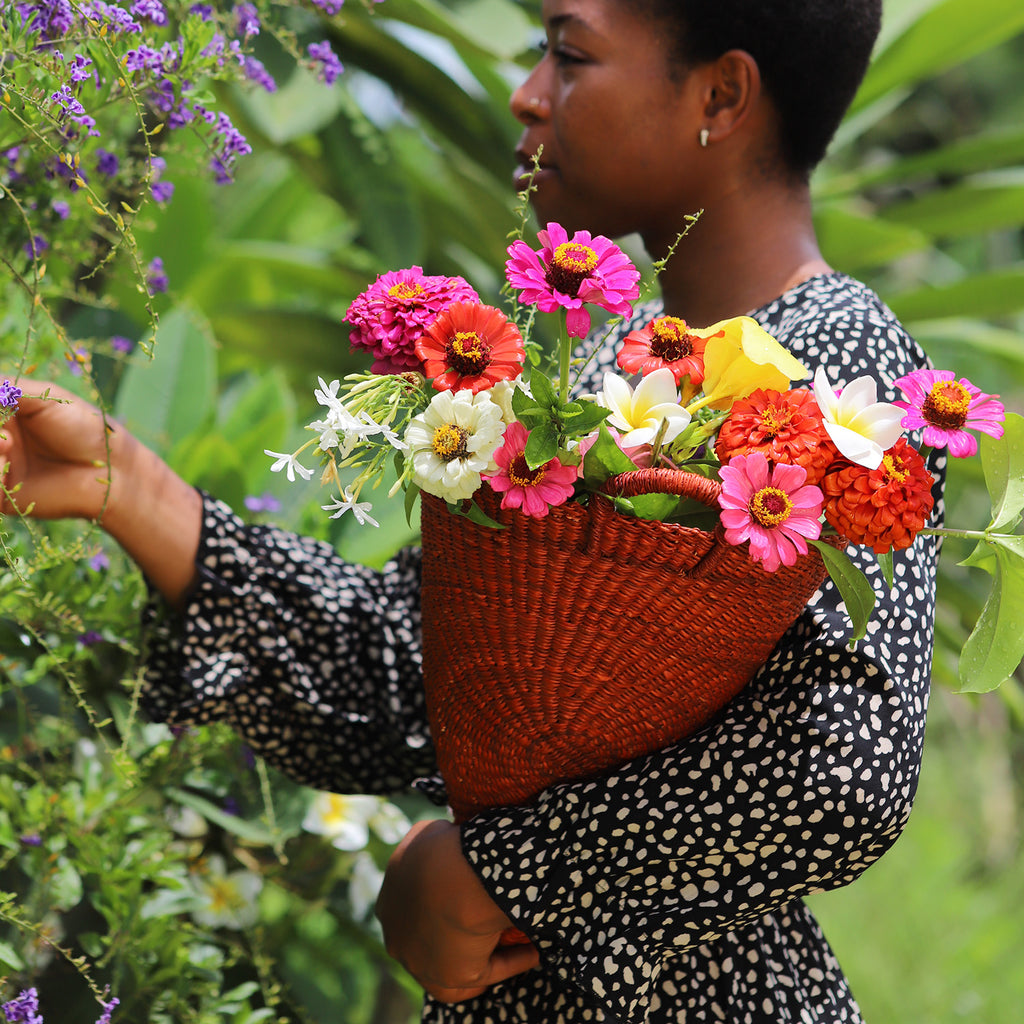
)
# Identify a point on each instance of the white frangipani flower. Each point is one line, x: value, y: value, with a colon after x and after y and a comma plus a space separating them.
x: 453, y: 442
x: 227, y: 899
x: 364, y: 885
x: 861, y: 427
x: 288, y: 462
x: 346, y: 503
x: 345, y: 820
x: 639, y: 414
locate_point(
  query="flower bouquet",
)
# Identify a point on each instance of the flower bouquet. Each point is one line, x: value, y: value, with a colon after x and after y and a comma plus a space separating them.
x: 603, y: 572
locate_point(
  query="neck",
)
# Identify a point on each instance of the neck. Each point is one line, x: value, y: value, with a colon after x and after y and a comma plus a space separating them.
x: 749, y: 246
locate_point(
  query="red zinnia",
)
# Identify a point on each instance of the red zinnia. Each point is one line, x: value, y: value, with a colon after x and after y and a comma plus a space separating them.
x: 666, y: 341
x: 884, y: 507
x: 786, y: 427
x: 470, y: 347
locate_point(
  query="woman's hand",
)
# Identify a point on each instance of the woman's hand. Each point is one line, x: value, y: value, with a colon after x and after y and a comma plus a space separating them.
x: 439, y: 920
x: 60, y: 458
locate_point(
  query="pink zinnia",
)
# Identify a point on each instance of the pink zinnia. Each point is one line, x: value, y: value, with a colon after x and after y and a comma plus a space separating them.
x: 396, y: 309
x: 946, y: 407
x: 569, y: 272
x: 532, y: 490
x: 774, y: 509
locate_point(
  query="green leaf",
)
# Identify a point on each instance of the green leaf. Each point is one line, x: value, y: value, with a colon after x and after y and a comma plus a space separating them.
x: 885, y: 563
x: 655, y: 506
x: 944, y: 36
x: 995, y: 647
x: 604, y: 459
x: 65, y: 886
x: 1003, y: 462
x: 475, y: 514
x: 244, y: 828
x: 853, y: 585
x: 992, y: 294
x: 543, y: 390
x: 412, y: 492
x: 171, y: 396
x: 852, y: 240
x: 541, y: 445
x: 960, y: 210
x: 581, y: 418
x: 10, y: 957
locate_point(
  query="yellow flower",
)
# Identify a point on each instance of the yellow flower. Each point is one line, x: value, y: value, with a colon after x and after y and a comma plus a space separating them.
x: 740, y: 357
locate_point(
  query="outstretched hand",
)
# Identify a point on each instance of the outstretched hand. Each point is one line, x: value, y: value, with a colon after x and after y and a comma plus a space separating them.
x: 54, y: 456
x: 439, y: 920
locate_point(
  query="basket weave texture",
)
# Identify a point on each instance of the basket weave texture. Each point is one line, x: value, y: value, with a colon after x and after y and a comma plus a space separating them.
x: 558, y: 648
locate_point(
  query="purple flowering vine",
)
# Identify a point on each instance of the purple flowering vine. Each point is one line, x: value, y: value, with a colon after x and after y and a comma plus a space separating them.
x: 325, y: 61
x: 9, y: 394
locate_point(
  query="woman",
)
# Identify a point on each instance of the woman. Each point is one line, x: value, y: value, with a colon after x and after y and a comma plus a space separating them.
x: 671, y: 889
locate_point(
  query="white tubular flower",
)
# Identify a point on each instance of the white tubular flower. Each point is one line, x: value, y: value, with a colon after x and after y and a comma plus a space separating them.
x: 861, y: 427
x: 639, y: 414
x: 346, y: 503
x: 453, y: 443
x: 289, y: 463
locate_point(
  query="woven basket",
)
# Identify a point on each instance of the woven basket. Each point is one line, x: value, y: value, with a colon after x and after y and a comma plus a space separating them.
x: 557, y: 648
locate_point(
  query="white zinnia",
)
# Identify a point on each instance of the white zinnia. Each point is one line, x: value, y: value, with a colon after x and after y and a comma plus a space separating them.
x: 453, y: 442
x: 639, y: 414
x: 861, y: 427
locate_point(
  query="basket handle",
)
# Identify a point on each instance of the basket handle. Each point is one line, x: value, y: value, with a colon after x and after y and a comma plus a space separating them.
x: 664, y: 481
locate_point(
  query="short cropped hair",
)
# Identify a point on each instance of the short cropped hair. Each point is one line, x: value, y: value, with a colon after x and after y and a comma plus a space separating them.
x: 812, y: 55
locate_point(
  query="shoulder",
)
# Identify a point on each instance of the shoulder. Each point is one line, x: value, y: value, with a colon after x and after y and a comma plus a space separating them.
x: 838, y: 322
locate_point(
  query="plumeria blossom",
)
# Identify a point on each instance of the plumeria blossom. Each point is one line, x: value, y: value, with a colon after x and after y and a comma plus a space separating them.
x: 639, y: 414
x: 347, y: 819
x: 947, y: 408
x: 470, y: 347
x: 568, y: 272
x: 773, y: 508
x: 289, y: 463
x: 364, y: 885
x: 860, y: 426
x: 226, y: 899
x: 348, y: 503
x: 535, y: 491
x: 741, y: 356
x: 452, y: 443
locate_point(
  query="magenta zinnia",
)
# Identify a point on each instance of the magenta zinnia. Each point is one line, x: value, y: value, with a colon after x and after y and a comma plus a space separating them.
x: 947, y: 408
x: 569, y: 272
x: 533, y: 490
x: 470, y: 347
x: 772, y: 508
x: 396, y: 309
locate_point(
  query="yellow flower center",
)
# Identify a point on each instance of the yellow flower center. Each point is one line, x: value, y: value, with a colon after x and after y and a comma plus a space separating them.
x: 467, y: 353
x: 893, y: 467
x: 670, y: 338
x: 774, y: 419
x: 770, y: 506
x: 450, y: 442
x: 521, y: 475
x: 571, y: 263
x: 946, y: 405
x: 404, y: 292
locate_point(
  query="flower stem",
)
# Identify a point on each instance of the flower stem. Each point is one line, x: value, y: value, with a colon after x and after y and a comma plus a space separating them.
x: 943, y: 531
x: 563, y: 358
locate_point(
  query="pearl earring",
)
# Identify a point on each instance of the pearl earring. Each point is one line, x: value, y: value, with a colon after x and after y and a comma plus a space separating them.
x: 704, y: 136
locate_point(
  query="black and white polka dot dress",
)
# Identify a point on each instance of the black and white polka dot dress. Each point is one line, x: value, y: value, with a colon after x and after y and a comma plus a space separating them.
x: 669, y: 890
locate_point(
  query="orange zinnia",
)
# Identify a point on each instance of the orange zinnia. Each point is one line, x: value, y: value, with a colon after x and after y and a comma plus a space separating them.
x: 884, y: 507
x: 666, y: 341
x: 785, y: 427
x: 470, y: 347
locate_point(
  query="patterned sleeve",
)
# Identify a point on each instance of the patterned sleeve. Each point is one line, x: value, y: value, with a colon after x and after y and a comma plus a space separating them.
x: 804, y: 780
x: 314, y: 661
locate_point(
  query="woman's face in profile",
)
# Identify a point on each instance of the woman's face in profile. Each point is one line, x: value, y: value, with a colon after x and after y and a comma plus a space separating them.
x: 619, y: 133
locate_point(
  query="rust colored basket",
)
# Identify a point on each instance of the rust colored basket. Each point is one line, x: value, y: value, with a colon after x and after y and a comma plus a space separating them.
x: 557, y: 648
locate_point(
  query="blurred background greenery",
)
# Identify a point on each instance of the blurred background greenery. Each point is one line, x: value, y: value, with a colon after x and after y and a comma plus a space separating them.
x: 407, y: 160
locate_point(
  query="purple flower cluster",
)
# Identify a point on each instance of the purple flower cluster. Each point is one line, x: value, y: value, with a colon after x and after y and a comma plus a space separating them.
x: 9, y: 394
x: 24, y: 1009
x: 256, y: 72
x: 330, y: 7
x: 247, y: 20
x: 150, y: 10
x: 156, y: 278
x: 52, y: 19
x: 325, y: 62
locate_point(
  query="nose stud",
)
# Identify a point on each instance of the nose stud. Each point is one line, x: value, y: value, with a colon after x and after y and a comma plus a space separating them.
x: 533, y: 102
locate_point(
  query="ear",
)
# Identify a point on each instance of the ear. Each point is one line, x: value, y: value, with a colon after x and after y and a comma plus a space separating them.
x: 731, y: 92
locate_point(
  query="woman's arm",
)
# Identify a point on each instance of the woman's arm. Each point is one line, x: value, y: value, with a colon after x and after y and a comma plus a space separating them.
x: 60, y: 457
